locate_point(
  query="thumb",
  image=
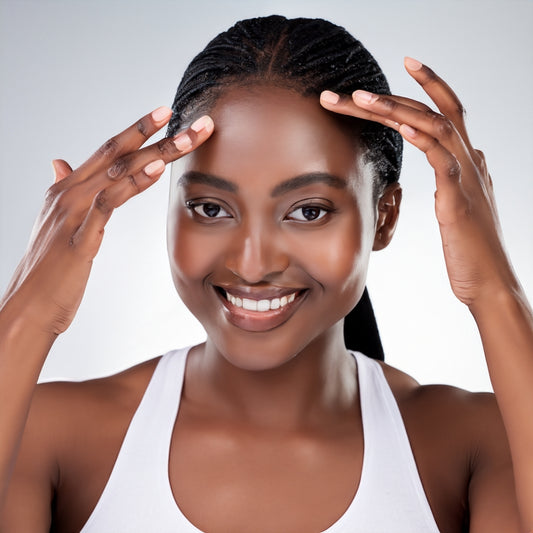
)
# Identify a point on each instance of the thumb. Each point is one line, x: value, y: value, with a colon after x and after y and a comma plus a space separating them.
x: 61, y: 169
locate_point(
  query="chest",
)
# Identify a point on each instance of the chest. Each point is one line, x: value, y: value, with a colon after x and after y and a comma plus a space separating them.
x: 229, y: 478
x: 233, y: 479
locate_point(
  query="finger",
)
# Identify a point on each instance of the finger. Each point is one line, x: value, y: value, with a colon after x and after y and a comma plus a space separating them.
x: 61, y: 169
x: 348, y: 106
x: 345, y: 105
x: 441, y: 93
x: 451, y: 202
x: 87, y: 239
x: 434, y: 124
x: 121, y: 191
x: 129, y: 140
x: 167, y: 150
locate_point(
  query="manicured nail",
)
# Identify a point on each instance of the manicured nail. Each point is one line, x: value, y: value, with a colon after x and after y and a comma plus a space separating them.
x: 407, y: 130
x: 329, y: 97
x: 412, y: 64
x: 161, y: 113
x: 365, y: 97
x: 155, y: 167
x: 203, y: 123
x: 183, y: 142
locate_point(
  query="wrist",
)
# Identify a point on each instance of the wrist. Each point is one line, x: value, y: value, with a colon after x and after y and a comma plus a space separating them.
x: 501, y: 299
x: 20, y: 321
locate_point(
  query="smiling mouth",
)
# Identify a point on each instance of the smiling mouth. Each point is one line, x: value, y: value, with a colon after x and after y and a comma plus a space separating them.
x: 260, y: 314
x: 261, y: 306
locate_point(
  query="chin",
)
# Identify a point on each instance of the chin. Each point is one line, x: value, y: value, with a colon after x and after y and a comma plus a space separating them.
x: 258, y: 351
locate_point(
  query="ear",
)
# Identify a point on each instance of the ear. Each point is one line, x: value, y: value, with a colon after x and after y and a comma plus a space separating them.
x: 388, y: 209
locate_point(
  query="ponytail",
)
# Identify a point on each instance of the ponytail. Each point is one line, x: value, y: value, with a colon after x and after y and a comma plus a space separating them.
x: 361, y: 332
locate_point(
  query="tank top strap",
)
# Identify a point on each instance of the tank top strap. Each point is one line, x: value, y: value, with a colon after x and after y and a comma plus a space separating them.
x: 390, y: 496
x: 138, y: 490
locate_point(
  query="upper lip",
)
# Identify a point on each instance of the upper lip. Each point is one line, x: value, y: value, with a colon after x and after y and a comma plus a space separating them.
x: 262, y: 293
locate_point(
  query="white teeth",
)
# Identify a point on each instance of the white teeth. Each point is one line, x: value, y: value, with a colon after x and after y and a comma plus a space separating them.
x: 250, y: 305
x: 260, y: 305
x: 263, y: 305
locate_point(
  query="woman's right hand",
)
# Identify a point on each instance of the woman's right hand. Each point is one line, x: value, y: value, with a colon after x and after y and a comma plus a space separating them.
x: 49, y: 282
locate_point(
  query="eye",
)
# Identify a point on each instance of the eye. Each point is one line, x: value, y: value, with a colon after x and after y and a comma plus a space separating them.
x: 208, y: 209
x: 308, y: 213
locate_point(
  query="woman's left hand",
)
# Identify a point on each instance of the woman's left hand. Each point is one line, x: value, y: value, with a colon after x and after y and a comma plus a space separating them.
x: 477, y: 264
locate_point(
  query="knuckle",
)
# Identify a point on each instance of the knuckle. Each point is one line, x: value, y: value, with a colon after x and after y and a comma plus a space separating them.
x: 101, y: 202
x: 142, y: 128
x: 442, y: 126
x: 109, y: 148
x: 460, y: 109
x: 480, y: 155
x: 133, y: 182
x: 388, y: 104
x: 118, y: 168
x: 453, y: 169
x: 167, y: 147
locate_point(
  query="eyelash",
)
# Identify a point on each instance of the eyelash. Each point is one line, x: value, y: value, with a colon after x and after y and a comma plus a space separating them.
x: 193, y: 205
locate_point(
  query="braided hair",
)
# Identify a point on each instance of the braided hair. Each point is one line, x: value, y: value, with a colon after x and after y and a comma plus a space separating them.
x: 307, y: 56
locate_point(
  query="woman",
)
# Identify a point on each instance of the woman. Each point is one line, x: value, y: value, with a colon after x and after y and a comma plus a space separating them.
x: 271, y: 424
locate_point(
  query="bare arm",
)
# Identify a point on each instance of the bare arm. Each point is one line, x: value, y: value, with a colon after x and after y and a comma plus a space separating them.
x: 480, y: 273
x: 49, y: 283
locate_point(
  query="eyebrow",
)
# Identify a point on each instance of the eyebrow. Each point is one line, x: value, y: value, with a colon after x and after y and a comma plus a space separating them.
x: 193, y: 176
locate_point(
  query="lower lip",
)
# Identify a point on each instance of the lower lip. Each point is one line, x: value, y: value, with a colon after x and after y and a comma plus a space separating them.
x: 260, y: 320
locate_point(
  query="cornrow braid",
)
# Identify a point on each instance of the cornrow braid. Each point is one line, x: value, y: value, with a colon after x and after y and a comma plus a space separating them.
x: 308, y: 56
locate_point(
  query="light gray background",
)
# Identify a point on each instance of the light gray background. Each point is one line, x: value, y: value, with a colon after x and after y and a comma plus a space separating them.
x: 74, y: 73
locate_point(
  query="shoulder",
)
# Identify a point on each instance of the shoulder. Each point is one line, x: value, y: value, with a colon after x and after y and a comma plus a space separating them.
x: 120, y: 387
x: 461, y: 449
x: 470, y: 414
x: 71, y: 411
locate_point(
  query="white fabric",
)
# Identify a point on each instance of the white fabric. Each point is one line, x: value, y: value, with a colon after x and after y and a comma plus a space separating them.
x: 138, y: 497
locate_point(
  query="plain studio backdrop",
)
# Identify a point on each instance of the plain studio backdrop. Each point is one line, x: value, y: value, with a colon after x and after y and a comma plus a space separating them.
x: 74, y: 73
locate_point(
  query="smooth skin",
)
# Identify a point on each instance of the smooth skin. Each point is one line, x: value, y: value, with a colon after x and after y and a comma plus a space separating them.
x: 295, y: 403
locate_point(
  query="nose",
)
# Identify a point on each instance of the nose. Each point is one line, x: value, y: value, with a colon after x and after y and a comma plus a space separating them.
x: 257, y: 254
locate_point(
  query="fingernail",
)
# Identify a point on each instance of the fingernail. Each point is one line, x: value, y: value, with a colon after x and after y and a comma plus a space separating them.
x: 392, y: 124
x: 365, y: 97
x: 161, y: 113
x: 183, y: 142
x: 412, y: 64
x: 329, y: 97
x: 155, y: 167
x: 203, y: 123
x: 407, y: 130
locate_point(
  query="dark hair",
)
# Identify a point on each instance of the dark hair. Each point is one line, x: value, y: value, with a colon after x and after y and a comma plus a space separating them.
x: 308, y: 56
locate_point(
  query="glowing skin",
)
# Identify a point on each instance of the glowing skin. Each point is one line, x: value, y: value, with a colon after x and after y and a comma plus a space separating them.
x: 248, y: 234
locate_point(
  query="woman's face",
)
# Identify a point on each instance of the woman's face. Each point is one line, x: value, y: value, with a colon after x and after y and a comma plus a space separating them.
x: 271, y: 223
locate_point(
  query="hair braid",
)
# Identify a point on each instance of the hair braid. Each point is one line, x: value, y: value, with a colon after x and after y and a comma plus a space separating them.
x: 307, y: 55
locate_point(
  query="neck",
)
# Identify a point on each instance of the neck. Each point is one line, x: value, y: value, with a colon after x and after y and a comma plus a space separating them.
x: 314, y: 387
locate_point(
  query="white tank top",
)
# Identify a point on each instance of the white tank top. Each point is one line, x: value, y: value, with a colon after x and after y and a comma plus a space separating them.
x: 138, y: 497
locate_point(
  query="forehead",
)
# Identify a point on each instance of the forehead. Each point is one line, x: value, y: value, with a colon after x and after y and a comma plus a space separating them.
x: 274, y: 133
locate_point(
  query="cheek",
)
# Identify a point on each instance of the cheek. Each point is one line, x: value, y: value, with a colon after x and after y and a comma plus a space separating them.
x: 193, y: 251
x: 336, y: 257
